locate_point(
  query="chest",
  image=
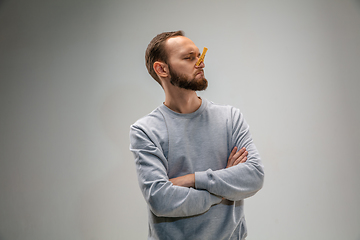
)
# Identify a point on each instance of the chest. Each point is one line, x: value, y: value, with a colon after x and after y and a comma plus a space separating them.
x: 197, y: 145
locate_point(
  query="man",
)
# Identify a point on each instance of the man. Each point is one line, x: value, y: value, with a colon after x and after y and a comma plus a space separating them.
x: 195, y: 160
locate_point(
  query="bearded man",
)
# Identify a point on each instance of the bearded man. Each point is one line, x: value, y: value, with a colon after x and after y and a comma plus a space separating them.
x: 196, y: 161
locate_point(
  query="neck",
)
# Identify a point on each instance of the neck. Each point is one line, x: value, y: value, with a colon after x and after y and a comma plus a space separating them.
x: 182, y: 100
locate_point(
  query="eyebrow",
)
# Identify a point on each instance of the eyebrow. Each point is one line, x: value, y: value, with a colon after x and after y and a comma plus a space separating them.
x: 190, y: 53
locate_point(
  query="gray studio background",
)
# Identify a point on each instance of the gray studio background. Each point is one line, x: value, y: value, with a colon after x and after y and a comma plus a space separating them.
x: 73, y: 80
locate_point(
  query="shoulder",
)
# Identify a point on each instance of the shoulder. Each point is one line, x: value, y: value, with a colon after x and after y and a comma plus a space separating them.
x: 151, y: 120
x: 231, y: 115
x: 225, y: 110
x: 151, y: 126
x: 148, y: 131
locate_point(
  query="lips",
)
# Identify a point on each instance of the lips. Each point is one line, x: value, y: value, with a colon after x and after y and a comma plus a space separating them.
x: 199, y: 72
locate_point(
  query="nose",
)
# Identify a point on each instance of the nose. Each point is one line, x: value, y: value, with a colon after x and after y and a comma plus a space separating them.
x: 201, y: 65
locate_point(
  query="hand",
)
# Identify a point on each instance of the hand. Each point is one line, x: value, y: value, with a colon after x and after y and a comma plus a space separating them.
x: 237, y: 157
x: 184, y: 181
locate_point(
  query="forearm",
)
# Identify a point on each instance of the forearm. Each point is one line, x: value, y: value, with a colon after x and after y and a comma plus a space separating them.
x: 234, y: 184
x: 184, y: 181
x: 225, y: 183
x: 168, y: 200
x: 231, y: 183
x: 163, y: 197
x: 240, y: 181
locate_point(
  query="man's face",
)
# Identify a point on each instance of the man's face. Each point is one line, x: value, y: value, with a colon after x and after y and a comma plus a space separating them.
x: 182, y: 57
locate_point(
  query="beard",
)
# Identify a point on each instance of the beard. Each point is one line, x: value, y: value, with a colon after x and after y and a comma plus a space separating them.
x: 181, y: 81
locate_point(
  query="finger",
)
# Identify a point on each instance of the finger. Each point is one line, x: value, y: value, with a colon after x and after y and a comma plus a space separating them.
x: 245, y: 153
x: 239, y: 153
x: 242, y: 158
x: 231, y: 157
x: 233, y: 153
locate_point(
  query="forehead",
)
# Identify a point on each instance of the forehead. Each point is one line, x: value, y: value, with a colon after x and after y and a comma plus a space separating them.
x: 180, y: 45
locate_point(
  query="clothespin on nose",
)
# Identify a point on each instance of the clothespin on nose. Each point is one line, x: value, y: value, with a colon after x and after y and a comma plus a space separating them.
x: 201, y: 59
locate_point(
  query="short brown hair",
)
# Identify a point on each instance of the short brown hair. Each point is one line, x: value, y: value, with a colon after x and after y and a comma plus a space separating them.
x: 156, y: 51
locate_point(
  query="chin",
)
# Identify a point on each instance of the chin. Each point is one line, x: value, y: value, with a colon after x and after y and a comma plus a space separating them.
x: 202, y: 85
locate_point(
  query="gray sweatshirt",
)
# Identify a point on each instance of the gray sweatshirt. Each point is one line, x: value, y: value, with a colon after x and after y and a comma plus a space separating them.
x: 167, y: 144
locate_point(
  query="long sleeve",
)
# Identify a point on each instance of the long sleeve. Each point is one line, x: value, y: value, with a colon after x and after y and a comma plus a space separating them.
x: 240, y: 181
x: 163, y: 198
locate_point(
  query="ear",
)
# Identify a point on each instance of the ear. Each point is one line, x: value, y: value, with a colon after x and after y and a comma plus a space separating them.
x: 161, y: 69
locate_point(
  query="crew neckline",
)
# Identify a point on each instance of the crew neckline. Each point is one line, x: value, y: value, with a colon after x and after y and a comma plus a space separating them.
x: 185, y: 115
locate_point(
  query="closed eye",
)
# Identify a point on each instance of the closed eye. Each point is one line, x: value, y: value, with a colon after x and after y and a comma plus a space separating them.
x: 189, y: 58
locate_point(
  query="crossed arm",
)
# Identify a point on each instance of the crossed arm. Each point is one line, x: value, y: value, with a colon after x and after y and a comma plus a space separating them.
x: 234, y: 159
x: 189, y: 195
